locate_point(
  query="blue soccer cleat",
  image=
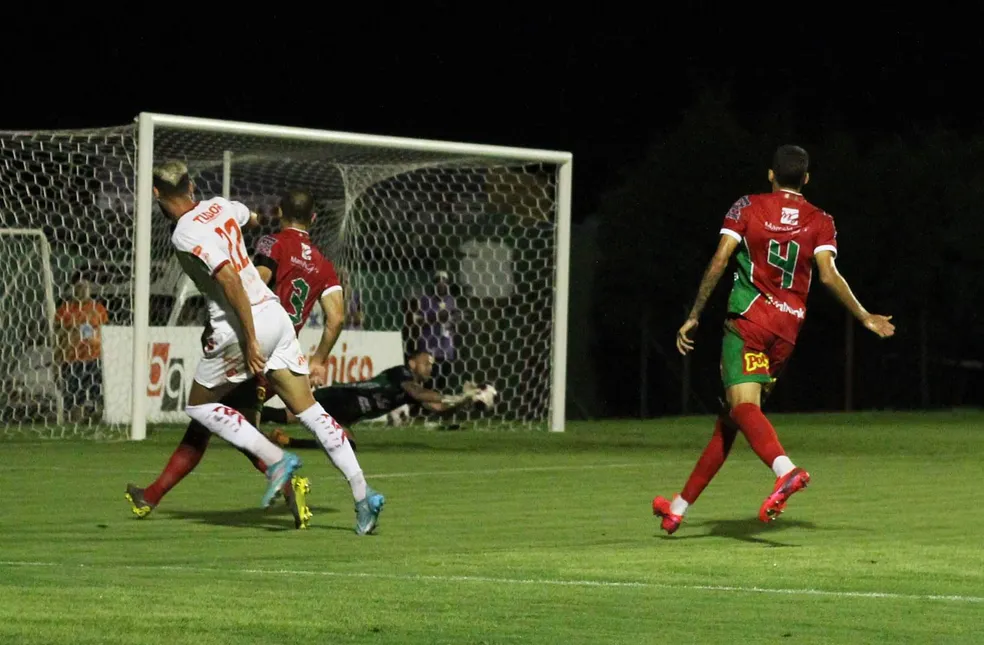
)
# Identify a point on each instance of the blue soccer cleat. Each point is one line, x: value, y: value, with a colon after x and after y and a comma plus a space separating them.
x: 367, y: 512
x: 279, y: 474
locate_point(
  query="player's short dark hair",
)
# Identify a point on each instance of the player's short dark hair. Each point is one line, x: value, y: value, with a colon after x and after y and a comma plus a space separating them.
x: 172, y: 179
x: 297, y: 206
x: 412, y: 356
x: 790, y: 165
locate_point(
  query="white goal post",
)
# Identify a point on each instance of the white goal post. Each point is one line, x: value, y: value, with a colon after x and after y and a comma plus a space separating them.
x: 28, y: 339
x: 457, y: 248
x: 368, y: 161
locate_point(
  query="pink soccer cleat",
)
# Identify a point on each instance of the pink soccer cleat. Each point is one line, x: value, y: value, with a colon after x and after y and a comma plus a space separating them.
x: 793, y: 481
x: 671, y: 522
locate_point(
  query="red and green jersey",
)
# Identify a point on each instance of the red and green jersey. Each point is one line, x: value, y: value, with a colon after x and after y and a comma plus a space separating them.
x: 301, y: 275
x: 779, y: 234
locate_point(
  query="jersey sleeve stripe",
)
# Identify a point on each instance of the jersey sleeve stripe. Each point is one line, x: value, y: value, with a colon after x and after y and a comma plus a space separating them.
x: 333, y: 289
x: 729, y: 232
x: 825, y: 247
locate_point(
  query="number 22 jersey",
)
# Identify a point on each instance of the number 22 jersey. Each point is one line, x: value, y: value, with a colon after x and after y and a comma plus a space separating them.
x: 301, y: 275
x: 209, y: 237
x: 779, y: 234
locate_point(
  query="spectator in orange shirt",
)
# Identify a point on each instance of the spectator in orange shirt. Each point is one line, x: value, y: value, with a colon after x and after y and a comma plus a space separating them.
x: 79, y: 351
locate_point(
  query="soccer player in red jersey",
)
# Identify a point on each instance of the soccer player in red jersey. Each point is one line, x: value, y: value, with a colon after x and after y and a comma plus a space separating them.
x: 778, y: 236
x: 299, y: 275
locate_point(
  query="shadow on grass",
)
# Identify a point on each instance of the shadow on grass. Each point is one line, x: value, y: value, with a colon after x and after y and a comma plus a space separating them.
x: 274, y: 519
x: 751, y: 530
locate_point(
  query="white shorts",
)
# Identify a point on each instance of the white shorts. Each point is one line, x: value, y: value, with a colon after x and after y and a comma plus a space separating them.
x: 223, y: 360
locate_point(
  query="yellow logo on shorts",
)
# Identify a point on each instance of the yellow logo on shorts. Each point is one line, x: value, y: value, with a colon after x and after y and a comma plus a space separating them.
x: 756, y: 362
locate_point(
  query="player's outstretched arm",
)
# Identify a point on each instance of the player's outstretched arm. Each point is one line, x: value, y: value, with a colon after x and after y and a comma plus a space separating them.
x: 835, y: 282
x: 235, y: 294
x: 712, y: 275
x: 333, y: 307
x: 435, y: 401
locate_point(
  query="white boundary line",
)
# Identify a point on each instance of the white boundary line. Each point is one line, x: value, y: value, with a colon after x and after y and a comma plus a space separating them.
x: 433, y: 473
x: 880, y: 595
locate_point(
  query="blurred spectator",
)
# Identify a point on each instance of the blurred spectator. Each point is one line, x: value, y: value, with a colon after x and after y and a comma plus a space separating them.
x: 436, y: 318
x: 79, y: 352
x: 353, y: 301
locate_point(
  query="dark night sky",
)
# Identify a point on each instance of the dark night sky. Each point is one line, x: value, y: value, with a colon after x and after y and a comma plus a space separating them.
x: 596, y: 84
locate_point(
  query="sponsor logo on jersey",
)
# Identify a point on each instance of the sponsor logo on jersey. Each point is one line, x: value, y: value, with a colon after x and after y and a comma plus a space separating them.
x: 790, y: 216
x: 756, y: 362
x: 264, y: 246
x: 779, y: 229
x: 306, y: 266
x: 786, y: 309
x: 736, y: 208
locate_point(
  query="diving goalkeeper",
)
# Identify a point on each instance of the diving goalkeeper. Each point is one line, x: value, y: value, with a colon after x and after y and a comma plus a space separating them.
x: 400, y: 385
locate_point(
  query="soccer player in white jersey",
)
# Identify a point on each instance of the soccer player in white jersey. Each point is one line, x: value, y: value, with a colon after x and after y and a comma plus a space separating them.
x: 248, y: 333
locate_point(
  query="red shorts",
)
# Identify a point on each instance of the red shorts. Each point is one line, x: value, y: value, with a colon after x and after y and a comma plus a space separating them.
x: 751, y: 353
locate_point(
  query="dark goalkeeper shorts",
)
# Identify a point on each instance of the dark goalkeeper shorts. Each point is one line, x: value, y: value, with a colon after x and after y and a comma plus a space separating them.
x: 751, y: 354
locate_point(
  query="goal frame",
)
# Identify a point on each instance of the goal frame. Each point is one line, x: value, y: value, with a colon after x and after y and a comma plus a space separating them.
x: 147, y: 122
x: 49, y: 301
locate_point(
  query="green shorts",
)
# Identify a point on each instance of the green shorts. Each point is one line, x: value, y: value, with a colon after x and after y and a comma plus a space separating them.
x: 751, y: 354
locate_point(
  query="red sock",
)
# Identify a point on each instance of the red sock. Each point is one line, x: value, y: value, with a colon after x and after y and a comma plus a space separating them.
x: 710, y: 460
x: 258, y: 463
x: 759, y: 432
x: 261, y: 466
x: 184, y: 459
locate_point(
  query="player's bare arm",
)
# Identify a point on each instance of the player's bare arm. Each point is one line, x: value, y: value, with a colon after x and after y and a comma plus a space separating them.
x: 835, y: 282
x: 712, y: 275
x: 333, y: 306
x: 265, y: 273
x: 235, y: 294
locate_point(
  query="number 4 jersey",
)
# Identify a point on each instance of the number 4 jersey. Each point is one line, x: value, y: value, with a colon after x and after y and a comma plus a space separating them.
x: 301, y: 275
x: 779, y: 234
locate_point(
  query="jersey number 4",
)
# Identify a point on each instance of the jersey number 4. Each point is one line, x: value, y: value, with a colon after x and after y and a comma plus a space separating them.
x: 299, y: 290
x: 226, y: 232
x: 784, y: 259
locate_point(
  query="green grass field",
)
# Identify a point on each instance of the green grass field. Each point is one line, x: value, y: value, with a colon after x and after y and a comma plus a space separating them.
x: 508, y: 537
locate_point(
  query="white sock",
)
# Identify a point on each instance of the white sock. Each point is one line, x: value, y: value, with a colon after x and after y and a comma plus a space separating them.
x: 234, y: 428
x: 782, y: 465
x: 679, y: 506
x: 329, y: 433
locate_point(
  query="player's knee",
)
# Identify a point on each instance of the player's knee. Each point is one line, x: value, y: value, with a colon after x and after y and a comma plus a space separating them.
x: 196, y: 435
x: 744, y: 393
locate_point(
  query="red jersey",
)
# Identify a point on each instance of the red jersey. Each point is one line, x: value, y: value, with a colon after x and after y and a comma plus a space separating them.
x: 779, y: 235
x: 301, y: 275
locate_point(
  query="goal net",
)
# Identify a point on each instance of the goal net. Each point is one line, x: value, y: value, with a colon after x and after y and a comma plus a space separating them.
x: 455, y: 248
x: 29, y: 361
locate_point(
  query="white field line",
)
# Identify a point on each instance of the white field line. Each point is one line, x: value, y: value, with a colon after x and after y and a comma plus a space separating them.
x: 248, y: 469
x: 880, y: 595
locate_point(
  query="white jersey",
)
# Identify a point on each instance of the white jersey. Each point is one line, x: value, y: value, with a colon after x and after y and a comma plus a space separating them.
x: 208, y: 237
